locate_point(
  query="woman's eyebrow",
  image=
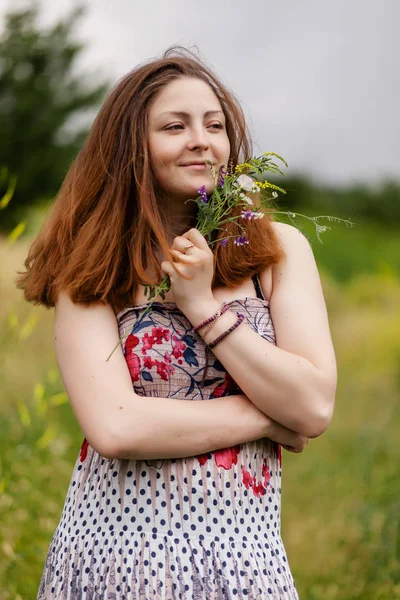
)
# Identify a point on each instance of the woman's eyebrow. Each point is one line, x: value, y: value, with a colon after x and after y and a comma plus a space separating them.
x: 179, y: 113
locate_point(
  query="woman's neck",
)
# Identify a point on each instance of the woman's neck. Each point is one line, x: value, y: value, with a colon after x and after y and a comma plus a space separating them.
x: 179, y: 224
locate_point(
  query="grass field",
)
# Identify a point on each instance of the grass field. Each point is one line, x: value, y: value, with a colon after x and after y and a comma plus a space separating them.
x: 341, y: 497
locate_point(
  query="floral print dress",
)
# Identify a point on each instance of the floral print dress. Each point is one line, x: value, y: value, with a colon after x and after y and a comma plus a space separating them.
x: 203, y: 527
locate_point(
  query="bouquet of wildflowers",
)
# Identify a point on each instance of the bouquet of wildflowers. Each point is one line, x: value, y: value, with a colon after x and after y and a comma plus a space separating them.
x: 215, y: 210
x: 230, y: 191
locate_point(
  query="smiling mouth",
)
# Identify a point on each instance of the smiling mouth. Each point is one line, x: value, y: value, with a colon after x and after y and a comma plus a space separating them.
x: 199, y: 166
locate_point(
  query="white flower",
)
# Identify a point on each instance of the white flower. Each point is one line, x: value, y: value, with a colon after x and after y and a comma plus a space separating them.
x: 246, y: 199
x: 255, y: 188
x: 245, y: 182
x: 274, y: 194
x: 258, y: 215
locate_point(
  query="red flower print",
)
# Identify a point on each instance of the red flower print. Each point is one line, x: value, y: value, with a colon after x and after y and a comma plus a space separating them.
x: 147, y: 343
x: 84, y: 450
x: 229, y: 385
x: 131, y: 342
x: 148, y: 362
x: 161, y: 371
x: 169, y: 369
x: 132, y: 359
x: 223, y: 458
x: 133, y: 362
x: 203, y: 458
x: 219, y: 390
x: 178, y: 348
x: 247, y: 478
x: 258, y: 489
x: 164, y: 369
x: 158, y: 334
x: 227, y: 457
x: 266, y: 472
x: 167, y: 357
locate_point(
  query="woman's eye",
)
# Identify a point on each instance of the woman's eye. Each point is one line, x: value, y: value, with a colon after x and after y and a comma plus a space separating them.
x: 178, y: 126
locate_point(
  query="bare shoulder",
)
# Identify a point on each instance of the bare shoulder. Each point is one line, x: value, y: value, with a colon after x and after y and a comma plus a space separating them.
x: 292, y: 241
x: 297, y: 249
x: 66, y: 310
x: 77, y: 324
x: 290, y: 236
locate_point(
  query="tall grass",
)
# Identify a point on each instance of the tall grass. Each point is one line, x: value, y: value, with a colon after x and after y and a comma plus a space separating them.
x: 341, y: 516
x: 341, y: 507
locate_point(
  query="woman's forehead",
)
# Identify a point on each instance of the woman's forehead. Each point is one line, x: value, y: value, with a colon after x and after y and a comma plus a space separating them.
x: 186, y: 96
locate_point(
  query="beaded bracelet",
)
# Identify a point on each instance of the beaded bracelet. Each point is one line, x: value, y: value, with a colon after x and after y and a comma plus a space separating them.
x: 220, y: 312
x: 221, y: 337
x: 213, y: 322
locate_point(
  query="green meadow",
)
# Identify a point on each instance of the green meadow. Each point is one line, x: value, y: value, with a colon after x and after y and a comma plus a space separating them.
x: 341, y: 497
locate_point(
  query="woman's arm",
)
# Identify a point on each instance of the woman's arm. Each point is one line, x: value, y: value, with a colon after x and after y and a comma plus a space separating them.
x: 119, y: 423
x: 175, y: 428
x: 293, y: 382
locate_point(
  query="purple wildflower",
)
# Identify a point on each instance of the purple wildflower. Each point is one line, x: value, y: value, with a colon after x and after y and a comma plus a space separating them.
x: 221, y: 178
x: 203, y: 193
x: 248, y: 214
x: 241, y: 240
x: 224, y: 242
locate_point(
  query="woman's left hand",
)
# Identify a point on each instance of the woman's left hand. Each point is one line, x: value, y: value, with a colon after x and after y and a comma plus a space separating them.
x: 195, y: 262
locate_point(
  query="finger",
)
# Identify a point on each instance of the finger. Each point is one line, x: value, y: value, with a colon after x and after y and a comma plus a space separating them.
x: 167, y: 267
x: 183, y: 257
x: 194, y: 236
x: 182, y: 244
x: 288, y: 448
x: 170, y: 269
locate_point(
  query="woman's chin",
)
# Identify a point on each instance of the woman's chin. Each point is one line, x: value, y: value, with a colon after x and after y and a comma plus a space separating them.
x: 191, y: 190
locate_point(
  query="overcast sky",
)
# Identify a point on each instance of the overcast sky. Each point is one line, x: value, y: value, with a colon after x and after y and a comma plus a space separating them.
x: 318, y: 79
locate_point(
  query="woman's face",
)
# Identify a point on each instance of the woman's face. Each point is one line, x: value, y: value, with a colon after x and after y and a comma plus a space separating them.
x: 186, y: 125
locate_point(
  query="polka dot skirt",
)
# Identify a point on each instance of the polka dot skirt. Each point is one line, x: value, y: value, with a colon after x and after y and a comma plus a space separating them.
x: 204, y: 527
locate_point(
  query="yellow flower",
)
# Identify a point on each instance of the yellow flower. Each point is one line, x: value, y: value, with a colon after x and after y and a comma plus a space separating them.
x: 242, y: 168
x: 267, y: 185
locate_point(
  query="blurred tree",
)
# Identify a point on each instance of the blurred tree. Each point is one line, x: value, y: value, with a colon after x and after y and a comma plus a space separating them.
x: 39, y: 94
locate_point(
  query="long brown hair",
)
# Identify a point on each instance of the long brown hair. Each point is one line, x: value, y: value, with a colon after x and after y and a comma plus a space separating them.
x: 107, y: 221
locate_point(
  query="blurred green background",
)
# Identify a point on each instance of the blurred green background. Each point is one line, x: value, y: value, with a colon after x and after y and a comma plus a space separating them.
x: 341, y: 497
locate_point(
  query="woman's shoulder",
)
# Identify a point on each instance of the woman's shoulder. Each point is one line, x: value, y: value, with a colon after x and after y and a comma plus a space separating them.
x: 288, y: 233
x: 292, y: 240
x: 297, y: 253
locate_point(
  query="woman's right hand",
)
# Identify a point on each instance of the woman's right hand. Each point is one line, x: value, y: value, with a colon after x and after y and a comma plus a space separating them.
x: 258, y: 426
x: 299, y: 446
x: 288, y: 439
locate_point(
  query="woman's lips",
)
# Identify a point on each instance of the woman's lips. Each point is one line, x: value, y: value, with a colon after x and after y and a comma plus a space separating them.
x: 196, y: 167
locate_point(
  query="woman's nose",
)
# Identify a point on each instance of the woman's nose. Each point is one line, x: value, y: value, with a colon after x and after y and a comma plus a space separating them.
x: 198, y: 139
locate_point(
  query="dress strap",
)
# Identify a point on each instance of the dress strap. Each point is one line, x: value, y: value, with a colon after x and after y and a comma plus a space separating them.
x: 257, y: 286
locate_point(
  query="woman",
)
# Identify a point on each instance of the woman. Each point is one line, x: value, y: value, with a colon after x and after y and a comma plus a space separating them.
x: 174, y: 499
